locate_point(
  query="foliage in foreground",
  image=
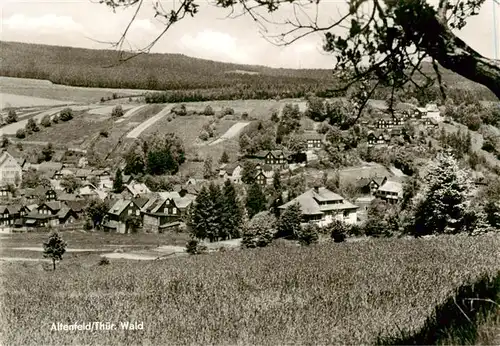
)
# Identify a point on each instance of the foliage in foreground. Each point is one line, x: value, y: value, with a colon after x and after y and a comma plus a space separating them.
x: 276, y: 295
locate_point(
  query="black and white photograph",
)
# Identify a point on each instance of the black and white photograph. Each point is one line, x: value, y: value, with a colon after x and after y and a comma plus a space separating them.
x: 249, y: 172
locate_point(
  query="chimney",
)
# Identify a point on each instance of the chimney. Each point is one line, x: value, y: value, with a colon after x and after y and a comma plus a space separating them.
x: 316, y: 188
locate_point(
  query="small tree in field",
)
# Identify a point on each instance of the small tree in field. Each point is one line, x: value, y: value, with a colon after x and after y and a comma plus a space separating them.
x: 224, y: 157
x: 54, y: 248
x: 11, y: 117
x: 21, y: 134
x: 117, y: 112
x: 66, y: 114
x: 45, y: 122
x: 208, y: 110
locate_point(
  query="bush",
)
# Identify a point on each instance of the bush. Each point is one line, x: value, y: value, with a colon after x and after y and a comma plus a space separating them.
x: 169, y: 118
x: 259, y: 231
x: 308, y: 234
x: 21, y: 133
x: 488, y: 146
x: 55, y: 119
x: 338, y: 231
x: 117, y: 112
x: 45, y: 122
x: 208, y: 110
x: 104, y: 261
x: 193, y: 247
x: 179, y: 110
x: 204, y: 135
x: 11, y: 117
x: 228, y: 111
x: 66, y: 114
x: 104, y: 133
x: 244, y: 116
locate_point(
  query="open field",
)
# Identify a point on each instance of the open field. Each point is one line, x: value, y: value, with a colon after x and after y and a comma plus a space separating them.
x: 33, y: 88
x: 11, y: 100
x: 277, y: 295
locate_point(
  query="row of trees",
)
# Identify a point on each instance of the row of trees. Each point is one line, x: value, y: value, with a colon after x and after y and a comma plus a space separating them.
x: 32, y: 126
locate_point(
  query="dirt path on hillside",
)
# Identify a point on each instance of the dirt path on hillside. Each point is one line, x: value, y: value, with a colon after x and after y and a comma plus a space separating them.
x: 232, y: 132
x: 130, y: 112
x: 144, y: 125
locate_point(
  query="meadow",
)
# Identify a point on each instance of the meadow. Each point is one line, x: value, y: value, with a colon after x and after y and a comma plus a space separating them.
x: 26, y: 91
x: 347, y: 293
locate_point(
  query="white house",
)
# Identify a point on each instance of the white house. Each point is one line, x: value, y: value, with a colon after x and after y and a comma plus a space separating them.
x: 10, y: 170
x: 323, y: 206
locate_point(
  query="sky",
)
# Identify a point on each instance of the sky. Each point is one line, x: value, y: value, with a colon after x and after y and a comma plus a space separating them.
x: 209, y: 35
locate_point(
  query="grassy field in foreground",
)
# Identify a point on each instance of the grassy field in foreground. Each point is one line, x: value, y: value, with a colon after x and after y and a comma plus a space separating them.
x: 348, y: 293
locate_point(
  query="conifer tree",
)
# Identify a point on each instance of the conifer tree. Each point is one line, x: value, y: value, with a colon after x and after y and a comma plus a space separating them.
x: 256, y: 201
x: 232, y: 214
x: 444, y: 203
x: 200, y: 213
x: 118, y: 181
x: 224, y: 157
x: 289, y: 222
x: 277, y: 182
x: 208, y: 172
x: 215, y: 215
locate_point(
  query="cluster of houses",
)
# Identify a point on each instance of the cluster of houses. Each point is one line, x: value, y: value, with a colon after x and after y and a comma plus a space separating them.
x: 386, y: 127
x: 53, y: 206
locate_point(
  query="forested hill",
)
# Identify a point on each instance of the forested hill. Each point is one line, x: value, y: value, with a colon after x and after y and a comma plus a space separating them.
x: 186, y: 78
x: 88, y: 67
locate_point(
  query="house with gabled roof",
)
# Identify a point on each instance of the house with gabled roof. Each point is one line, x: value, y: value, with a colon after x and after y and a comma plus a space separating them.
x: 11, y: 172
x: 369, y: 186
x: 52, y: 214
x: 118, y: 215
x: 322, y: 206
x: 278, y: 159
x: 265, y: 174
x: 135, y: 189
x: 83, y: 173
x: 390, y: 191
x: 9, y: 215
x: 5, y: 192
x: 165, y: 210
x: 231, y: 171
x: 377, y: 138
x: 314, y: 139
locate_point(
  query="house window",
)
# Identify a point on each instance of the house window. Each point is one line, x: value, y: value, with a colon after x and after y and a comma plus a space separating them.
x: 165, y: 211
x: 137, y: 212
x: 174, y: 211
x: 130, y: 211
x: 167, y: 202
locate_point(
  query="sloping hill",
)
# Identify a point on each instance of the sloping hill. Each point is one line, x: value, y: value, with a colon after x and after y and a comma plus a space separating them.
x: 87, y: 67
x: 100, y: 68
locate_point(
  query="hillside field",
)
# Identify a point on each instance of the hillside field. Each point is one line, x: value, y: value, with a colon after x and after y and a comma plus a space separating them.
x: 347, y: 293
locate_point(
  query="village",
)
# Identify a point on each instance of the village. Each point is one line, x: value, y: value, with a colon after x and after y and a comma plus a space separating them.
x: 137, y: 208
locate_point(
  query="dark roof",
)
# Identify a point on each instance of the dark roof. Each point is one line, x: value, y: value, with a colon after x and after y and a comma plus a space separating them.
x: 54, y: 205
x: 140, y: 201
x: 119, y: 206
x: 312, y: 135
x: 77, y: 206
x: 36, y: 215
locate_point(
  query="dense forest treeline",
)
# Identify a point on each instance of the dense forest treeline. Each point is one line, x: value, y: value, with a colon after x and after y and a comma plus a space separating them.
x: 185, y: 78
